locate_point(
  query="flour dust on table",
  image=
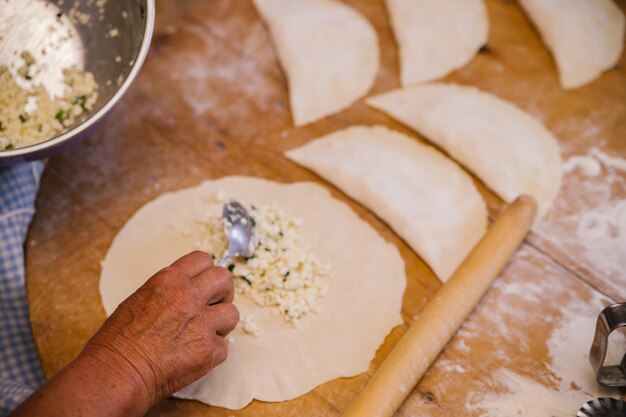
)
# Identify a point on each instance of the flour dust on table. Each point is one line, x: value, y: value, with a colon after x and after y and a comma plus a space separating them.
x: 570, y: 380
x: 590, y: 216
x: 316, y: 303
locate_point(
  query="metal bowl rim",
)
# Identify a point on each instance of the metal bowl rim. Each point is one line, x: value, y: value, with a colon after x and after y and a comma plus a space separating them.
x: 104, y: 110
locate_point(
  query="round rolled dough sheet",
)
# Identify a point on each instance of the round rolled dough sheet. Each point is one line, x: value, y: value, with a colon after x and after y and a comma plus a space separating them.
x: 362, y: 305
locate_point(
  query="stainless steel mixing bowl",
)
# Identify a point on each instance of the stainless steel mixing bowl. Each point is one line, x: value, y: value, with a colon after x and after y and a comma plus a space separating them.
x: 109, y: 38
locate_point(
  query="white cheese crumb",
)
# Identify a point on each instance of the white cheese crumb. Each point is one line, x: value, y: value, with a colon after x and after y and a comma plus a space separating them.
x: 249, y: 326
x: 78, y: 17
x: 31, y: 105
x: 113, y: 33
x: 118, y: 59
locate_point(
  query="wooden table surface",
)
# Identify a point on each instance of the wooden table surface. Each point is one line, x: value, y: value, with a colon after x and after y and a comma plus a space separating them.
x: 212, y: 100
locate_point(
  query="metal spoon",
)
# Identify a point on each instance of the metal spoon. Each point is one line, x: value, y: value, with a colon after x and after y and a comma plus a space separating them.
x: 239, y: 231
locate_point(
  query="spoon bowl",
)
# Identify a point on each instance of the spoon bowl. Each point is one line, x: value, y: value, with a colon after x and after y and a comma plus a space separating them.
x: 239, y: 229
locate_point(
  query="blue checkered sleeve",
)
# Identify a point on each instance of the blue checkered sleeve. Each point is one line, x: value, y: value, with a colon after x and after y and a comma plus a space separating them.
x: 20, y: 368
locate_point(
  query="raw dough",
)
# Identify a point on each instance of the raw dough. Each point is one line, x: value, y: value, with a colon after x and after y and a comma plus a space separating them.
x: 503, y: 145
x: 328, y: 50
x: 362, y: 305
x: 436, y: 37
x: 427, y: 198
x: 585, y: 36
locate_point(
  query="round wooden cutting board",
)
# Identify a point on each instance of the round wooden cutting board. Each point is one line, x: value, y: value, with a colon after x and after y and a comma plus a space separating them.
x: 212, y: 100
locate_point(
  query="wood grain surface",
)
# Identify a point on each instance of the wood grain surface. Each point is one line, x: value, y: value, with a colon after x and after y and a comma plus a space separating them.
x: 212, y: 100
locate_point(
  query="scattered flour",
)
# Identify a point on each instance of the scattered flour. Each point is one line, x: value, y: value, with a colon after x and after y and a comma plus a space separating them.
x: 202, y: 72
x: 572, y: 378
x: 569, y: 347
x: 588, y: 223
x: 602, y: 233
x: 449, y: 366
x: 463, y: 346
x: 591, y: 165
x: 527, y: 398
x: 608, y: 160
x: 587, y: 165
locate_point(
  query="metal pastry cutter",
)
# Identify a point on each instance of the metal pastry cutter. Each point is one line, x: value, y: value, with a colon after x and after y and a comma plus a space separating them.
x: 603, y: 407
x: 611, y: 318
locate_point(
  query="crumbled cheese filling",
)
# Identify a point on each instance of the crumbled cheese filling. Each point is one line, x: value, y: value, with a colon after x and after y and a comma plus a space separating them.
x: 29, y: 116
x: 283, y: 273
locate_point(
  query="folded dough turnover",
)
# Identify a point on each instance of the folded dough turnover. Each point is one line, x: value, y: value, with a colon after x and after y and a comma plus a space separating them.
x: 328, y: 51
x: 424, y: 196
x: 504, y: 146
x: 436, y: 37
x: 585, y: 36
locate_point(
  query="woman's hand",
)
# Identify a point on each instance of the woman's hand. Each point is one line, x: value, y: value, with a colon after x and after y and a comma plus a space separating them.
x: 169, y: 333
x: 173, y: 329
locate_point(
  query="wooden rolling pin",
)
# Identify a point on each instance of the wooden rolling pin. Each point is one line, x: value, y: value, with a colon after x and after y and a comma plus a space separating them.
x: 444, y: 314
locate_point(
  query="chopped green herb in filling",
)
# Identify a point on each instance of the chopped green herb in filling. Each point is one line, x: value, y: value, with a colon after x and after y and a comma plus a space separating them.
x: 81, y: 100
x: 60, y: 116
x: 30, y: 115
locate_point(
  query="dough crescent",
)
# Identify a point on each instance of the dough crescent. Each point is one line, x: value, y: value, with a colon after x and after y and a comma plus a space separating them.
x: 504, y: 146
x: 585, y: 36
x: 427, y: 198
x: 362, y: 305
x: 435, y: 37
x: 328, y: 51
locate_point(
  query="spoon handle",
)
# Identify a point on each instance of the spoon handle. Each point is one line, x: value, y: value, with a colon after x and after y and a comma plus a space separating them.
x: 225, y: 260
